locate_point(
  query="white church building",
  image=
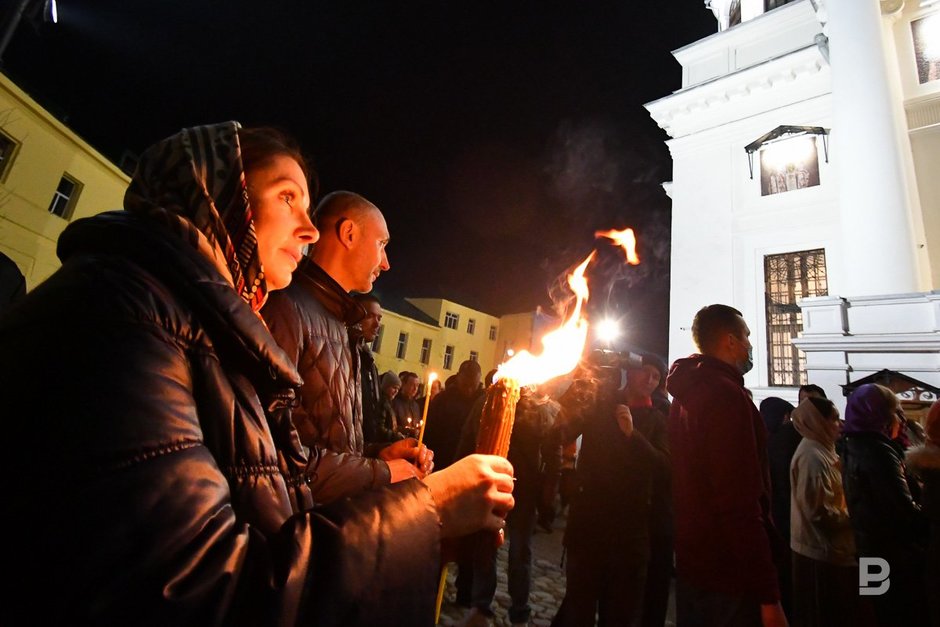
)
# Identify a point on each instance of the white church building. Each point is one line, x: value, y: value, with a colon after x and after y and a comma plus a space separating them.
x: 806, y: 188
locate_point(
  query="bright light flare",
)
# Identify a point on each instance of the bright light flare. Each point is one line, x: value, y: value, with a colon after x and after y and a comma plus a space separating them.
x: 607, y: 330
x: 781, y: 154
x: 626, y: 240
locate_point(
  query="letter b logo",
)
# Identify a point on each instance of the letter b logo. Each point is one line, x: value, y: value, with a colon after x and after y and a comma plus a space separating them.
x: 873, y: 570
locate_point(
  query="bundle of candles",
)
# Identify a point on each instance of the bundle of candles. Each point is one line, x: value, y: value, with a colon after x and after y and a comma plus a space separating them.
x: 499, y: 412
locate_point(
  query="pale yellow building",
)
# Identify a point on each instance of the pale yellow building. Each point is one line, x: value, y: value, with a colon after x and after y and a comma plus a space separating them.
x: 408, y: 339
x: 522, y: 331
x: 434, y: 334
x: 49, y: 176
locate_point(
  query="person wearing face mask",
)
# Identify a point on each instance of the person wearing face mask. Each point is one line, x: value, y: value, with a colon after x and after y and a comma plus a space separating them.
x: 725, y: 539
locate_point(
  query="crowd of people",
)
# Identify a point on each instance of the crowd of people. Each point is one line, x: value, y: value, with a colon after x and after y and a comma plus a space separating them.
x: 200, y: 435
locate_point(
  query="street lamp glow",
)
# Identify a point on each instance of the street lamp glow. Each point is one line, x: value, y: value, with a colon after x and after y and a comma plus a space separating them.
x: 608, y: 330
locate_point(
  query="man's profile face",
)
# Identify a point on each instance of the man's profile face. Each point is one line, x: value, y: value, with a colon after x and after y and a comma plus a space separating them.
x: 370, y: 324
x: 367, y: 256
x: 742, y: 342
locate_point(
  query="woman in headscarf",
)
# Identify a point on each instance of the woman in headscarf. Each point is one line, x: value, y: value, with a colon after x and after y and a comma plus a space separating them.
x: 153, y: 473
x: 924, y: 462
x: 825, y: 572
x: 887, y: 523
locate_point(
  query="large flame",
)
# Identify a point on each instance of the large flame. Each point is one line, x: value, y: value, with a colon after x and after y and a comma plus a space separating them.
x: 626, y: 240
x: 562, y: 348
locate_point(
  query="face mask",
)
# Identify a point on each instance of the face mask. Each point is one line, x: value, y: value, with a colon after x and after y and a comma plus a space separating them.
x: 748, y: 364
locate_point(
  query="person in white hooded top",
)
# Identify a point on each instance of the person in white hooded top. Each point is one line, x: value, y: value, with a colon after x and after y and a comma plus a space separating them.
x: 825, y: 571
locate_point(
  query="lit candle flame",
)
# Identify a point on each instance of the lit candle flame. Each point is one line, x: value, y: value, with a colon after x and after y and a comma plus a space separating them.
x: 626, y: 240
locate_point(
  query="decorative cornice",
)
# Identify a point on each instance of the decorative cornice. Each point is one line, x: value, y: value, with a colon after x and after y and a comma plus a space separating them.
x: 716, y: 93
x: 895, y: 343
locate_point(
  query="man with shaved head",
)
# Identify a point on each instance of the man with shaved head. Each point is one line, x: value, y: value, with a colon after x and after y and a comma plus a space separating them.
x: 311, y: 322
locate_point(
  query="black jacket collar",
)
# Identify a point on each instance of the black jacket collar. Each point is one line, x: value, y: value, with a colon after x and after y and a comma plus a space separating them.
x: 237, y: 333
x: 331, y: 294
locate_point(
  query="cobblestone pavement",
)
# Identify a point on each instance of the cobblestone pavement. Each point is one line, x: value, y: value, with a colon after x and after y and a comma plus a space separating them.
x: 548, y: 584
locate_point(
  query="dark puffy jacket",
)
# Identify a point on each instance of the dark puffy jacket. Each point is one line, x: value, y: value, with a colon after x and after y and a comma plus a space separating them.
x: 886, y: 521
x: 147, y: 484
x: 376, y: 422
x: 309, y: 320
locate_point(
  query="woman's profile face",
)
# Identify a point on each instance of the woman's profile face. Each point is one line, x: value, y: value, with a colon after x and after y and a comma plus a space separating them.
x: 280, y: 204
x: 834, y: 424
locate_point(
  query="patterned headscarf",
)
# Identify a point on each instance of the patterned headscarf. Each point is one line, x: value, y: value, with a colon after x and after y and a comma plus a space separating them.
x: 194, y: 183
x: 868, y: 411
x: 810, y: 423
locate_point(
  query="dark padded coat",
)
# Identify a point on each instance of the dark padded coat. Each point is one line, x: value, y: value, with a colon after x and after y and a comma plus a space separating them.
x: 146, y: 482
x: 310, y: 320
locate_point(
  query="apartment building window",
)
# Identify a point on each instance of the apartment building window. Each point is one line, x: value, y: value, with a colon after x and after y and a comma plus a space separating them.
x: 787, y: 278
x: 493, y: 333
x: 377, y: 342
x: 426, y: 351
x: 451, y: 320
x: 7, y: 147
x: 402, y: 345
x: 471, y: 326
x: 65, y: 197
x: 448, y: 357
x: 474, y: 356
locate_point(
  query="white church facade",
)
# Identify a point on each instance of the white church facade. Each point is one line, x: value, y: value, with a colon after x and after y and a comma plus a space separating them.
x: 806, y: 188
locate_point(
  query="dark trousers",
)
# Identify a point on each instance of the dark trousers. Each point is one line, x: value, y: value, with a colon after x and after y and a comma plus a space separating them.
x: 520, y: 525
x: 659, y: 574
x: 478, y: 573
x: 825, y: 595
x: 703, y: 608
x: 604, y: 581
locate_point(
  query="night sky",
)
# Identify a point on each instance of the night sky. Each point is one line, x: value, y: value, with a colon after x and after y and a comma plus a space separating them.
x: 495, y: 136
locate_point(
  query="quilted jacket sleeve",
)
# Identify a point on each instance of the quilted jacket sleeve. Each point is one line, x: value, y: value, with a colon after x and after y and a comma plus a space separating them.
x: 333, y: 473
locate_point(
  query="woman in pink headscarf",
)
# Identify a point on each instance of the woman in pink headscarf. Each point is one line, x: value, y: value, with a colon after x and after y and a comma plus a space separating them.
x: 888, y: 524
x: 924, y: 462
